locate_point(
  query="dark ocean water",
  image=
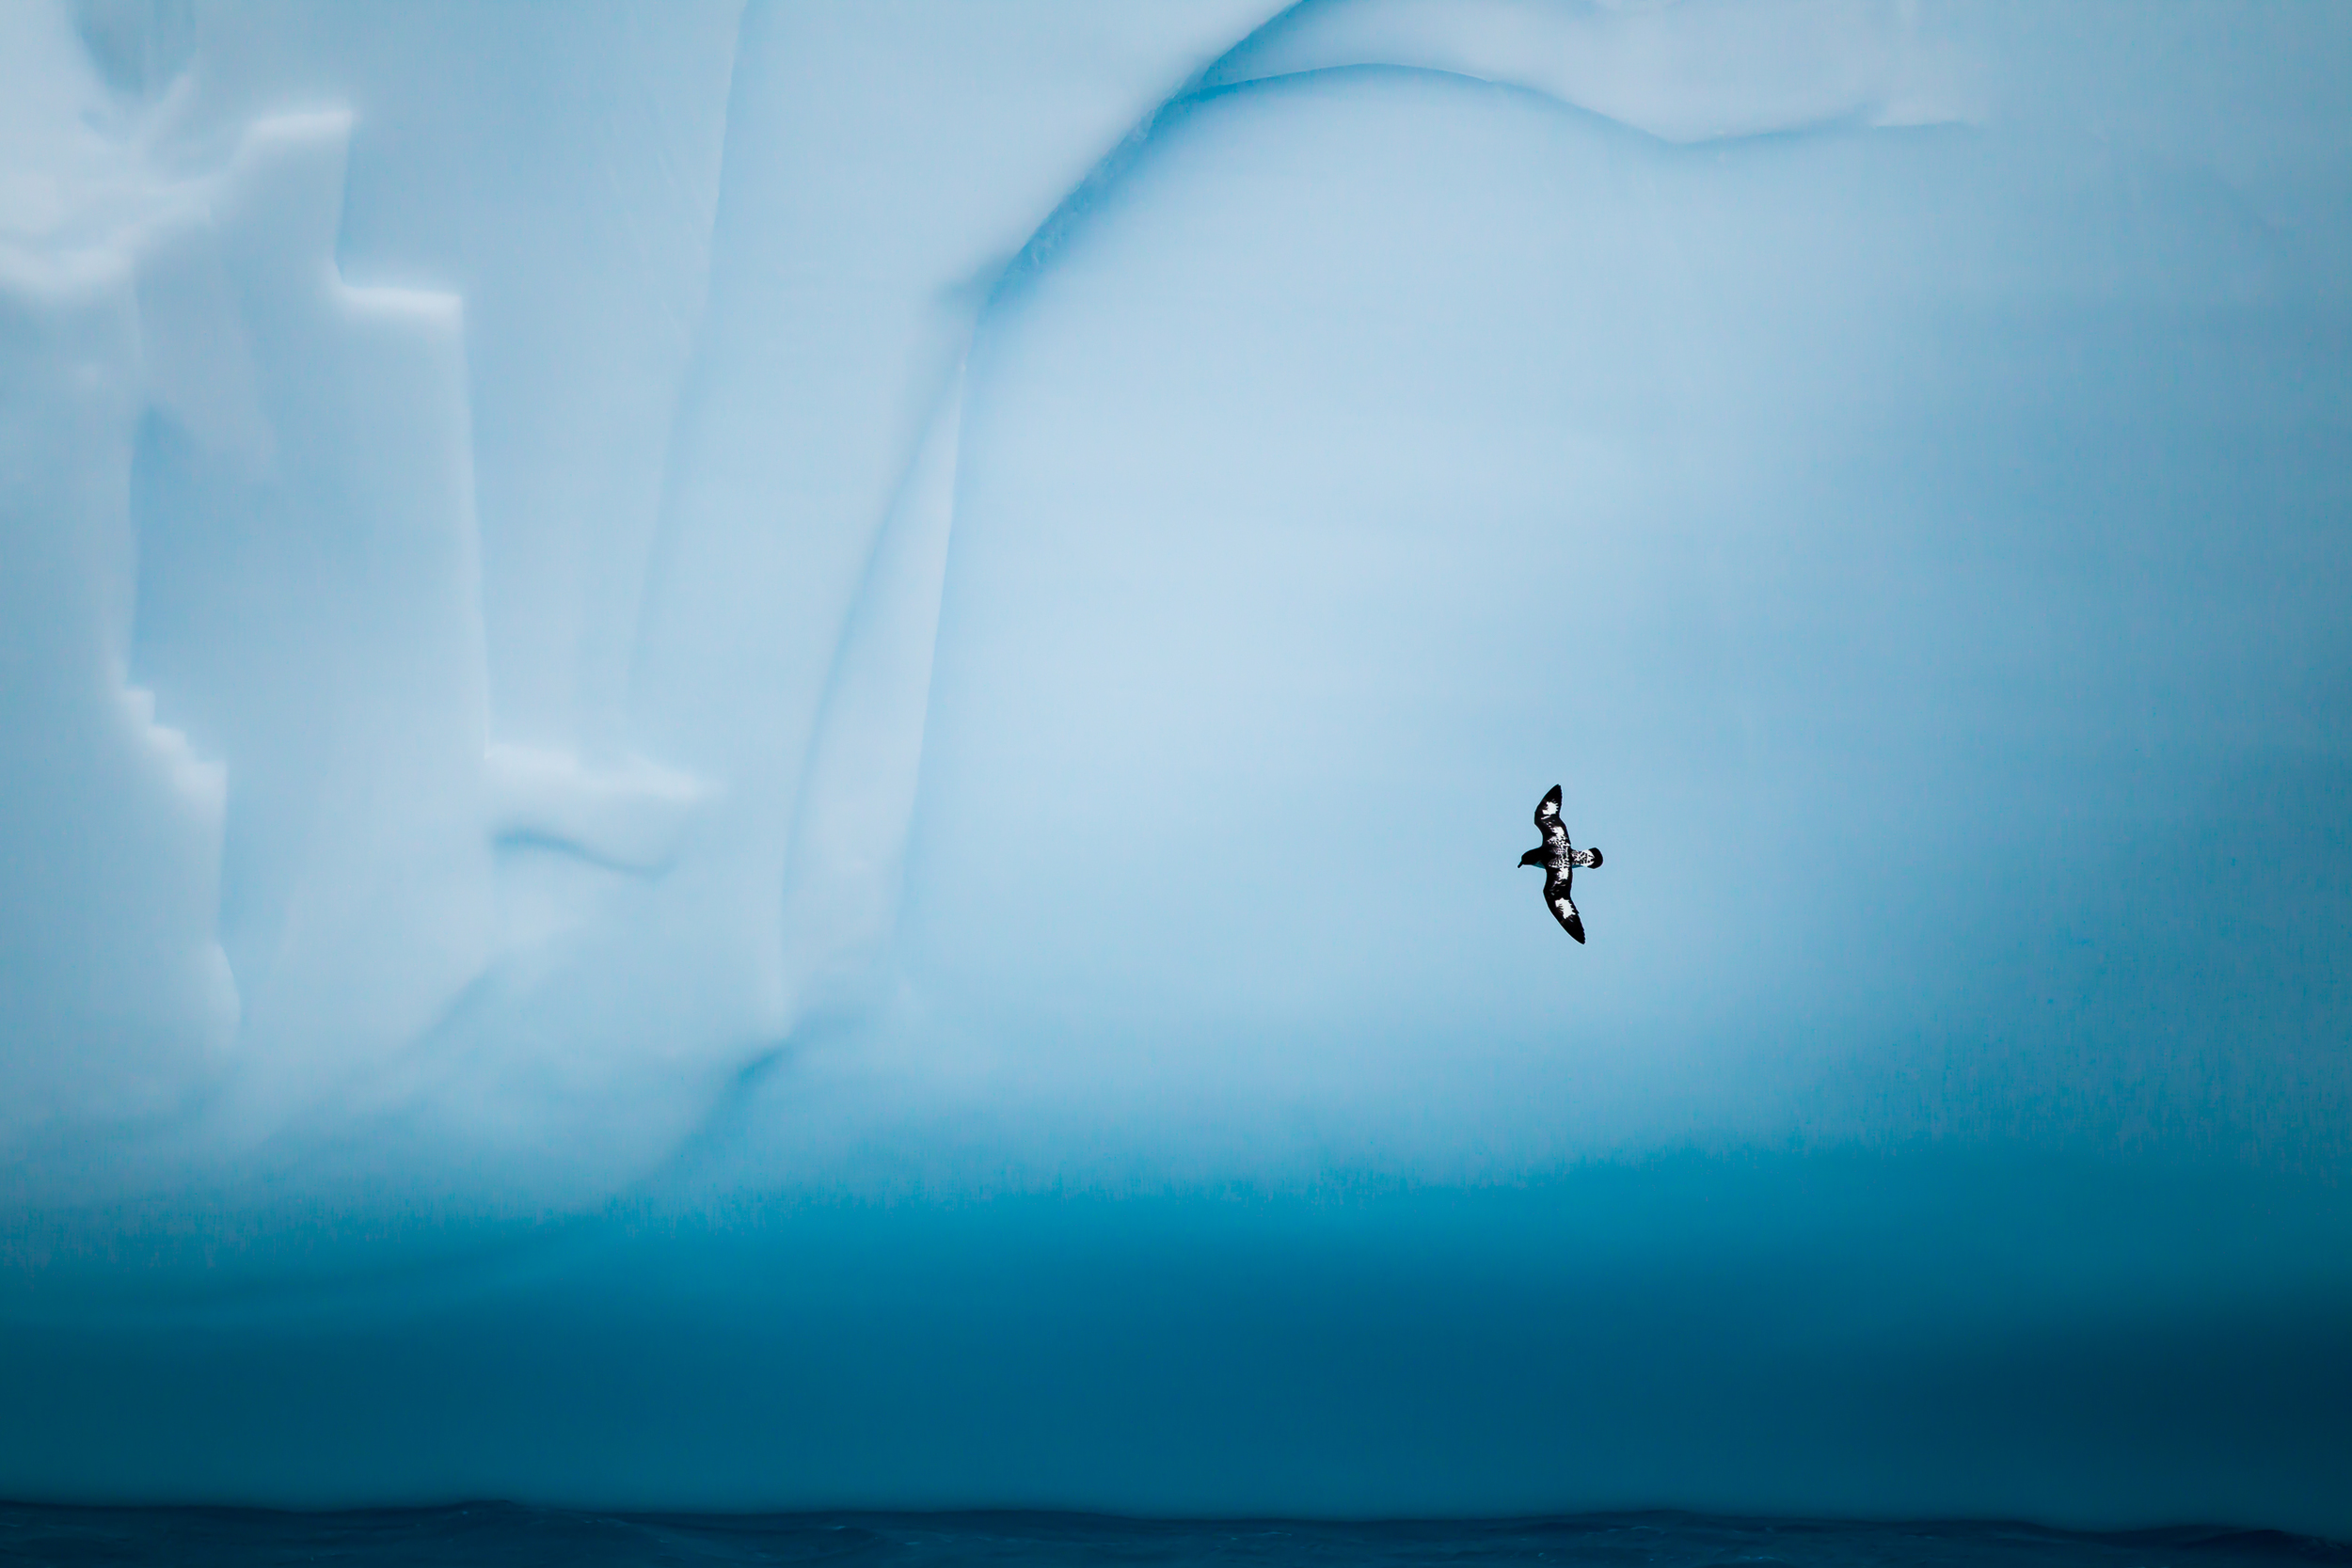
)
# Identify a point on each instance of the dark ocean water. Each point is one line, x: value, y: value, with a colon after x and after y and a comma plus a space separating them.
x: 505, y: 1536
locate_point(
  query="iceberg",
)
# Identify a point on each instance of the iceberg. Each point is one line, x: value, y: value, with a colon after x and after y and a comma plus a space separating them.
x: 651, y: 648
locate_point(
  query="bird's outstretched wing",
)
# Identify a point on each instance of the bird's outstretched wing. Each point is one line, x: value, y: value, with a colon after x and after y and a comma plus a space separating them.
x: 1548, y: 822
x: 1563, y: 907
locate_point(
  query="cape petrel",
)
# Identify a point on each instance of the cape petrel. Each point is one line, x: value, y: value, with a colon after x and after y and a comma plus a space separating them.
x: 1559, y: 859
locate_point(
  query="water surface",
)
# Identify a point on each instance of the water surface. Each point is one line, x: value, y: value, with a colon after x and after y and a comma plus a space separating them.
x: 499, y: 1535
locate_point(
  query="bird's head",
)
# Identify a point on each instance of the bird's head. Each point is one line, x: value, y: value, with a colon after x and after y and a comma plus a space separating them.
x: 1596, y: 857
x: 1533, y: 857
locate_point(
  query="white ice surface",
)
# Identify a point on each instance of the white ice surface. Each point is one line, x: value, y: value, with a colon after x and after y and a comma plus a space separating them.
x: 582, y: 484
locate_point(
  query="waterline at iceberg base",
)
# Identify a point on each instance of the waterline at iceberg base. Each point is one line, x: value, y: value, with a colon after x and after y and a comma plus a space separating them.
x: 761, y: 756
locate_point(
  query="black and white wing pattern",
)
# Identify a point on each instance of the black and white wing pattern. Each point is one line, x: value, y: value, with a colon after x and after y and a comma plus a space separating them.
x: 1548, y: 823
x: 1559, y: 859
x: 1563, y: 906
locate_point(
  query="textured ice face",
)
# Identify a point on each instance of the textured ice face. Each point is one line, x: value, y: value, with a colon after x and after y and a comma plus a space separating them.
x: 561, y: 503
x: 657, y: 581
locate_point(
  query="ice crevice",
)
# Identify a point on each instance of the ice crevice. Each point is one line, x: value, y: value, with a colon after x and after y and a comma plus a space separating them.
x: 1703, y: 71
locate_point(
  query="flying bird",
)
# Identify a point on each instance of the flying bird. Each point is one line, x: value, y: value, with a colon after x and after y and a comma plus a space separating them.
x: 1559, y: 859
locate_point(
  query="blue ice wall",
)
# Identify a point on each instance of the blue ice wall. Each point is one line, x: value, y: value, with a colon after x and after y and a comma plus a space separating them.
x: 766, y: 755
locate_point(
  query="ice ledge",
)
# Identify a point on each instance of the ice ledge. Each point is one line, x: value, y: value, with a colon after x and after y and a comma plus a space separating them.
x: 630, y: 816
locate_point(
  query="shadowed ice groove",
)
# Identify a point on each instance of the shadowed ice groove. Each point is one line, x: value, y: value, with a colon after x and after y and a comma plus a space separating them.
x: 845, y: 867
x: 1690, y: 73
x: 879, y: 170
